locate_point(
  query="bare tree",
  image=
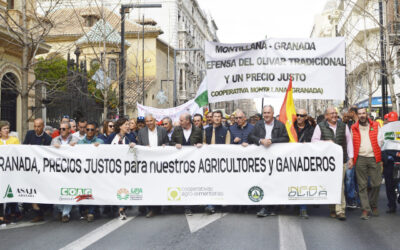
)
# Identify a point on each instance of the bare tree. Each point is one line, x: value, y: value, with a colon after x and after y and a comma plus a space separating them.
x: 28, y: 33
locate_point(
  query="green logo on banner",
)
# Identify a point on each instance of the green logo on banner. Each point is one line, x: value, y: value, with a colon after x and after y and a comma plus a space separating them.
x: 9, y: 193
x: 255, y: 194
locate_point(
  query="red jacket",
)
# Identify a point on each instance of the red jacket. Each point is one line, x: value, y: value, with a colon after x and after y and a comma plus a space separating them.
x: 373, y: 136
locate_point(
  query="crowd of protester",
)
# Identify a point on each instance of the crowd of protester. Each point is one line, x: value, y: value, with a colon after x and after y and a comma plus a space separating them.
x: 367, y: 153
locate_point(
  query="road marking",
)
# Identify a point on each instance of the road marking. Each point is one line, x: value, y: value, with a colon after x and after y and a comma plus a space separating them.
x: 95, y: 235
x: 198, y: 221
x: 290, y: 233
x: 22, y: 224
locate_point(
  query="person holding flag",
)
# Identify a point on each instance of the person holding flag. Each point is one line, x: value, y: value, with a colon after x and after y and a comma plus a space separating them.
x: 287, y: 115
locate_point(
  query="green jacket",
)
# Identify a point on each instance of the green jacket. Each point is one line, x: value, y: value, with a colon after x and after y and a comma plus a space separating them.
x: 178, y: 138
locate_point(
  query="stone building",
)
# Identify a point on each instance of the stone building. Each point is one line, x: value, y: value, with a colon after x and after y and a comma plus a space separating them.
x: 11, y: 63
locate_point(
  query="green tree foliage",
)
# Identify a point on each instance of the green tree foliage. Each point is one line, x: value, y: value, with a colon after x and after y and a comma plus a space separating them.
x: 53, y: 72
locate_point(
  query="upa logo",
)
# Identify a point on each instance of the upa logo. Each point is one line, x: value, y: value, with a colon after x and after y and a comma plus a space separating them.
x: 77, y: 194
x: 133, y: 194
x: 174, y: 193
x: 256, y: 194
x: 123, y: 194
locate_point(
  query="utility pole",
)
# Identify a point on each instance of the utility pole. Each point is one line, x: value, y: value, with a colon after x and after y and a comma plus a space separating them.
x: 122, y: 66
x: 383, y: 63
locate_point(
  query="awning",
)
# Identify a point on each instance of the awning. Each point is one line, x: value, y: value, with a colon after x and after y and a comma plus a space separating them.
x: 376, y: 102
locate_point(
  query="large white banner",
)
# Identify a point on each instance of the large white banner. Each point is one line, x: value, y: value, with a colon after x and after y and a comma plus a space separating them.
x: 263, y: 69
x: 174, y: 113
x: 289, y: 173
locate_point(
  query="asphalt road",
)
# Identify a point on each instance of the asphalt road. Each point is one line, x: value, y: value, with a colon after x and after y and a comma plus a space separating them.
x: 225, y: 230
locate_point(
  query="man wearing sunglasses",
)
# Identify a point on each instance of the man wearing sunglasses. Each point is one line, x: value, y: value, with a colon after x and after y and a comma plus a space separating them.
x: 90, y: 138
x: 65, y: 138
x: 304, y: 132
x: 241, y: 129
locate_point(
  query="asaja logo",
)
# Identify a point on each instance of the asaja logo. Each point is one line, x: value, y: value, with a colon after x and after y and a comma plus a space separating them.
x: 9, y: 192
x: 123, y: 194
x: 174, y: 193
x: 256, y: 194
x: 21, y: 192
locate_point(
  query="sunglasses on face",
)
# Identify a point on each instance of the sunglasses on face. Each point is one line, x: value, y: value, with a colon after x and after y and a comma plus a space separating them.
x: 239, y: 117
x: 165, y: 124
x: 110, y: 126
x: 300, y: 115
x: 63, y: 129
x: 90, y: 129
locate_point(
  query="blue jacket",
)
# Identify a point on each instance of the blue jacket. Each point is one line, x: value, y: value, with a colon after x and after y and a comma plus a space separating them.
x: 242, y: 133
x: 128, y: 138
x: 220, y: 134
x: 32, y: 139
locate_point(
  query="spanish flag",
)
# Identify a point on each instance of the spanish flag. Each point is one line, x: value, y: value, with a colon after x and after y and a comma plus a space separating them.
x: 287, y: 115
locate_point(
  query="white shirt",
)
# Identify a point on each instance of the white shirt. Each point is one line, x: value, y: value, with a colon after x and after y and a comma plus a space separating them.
x: 187, y: 133
x: 389, y: 136
x: 64, y: 142
x: 268, y: 129
x: 153, y: 139
x: 78, y: 135
x: 116, y: 139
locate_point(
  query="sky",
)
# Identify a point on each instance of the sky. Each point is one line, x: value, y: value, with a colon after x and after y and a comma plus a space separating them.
x: 252, y: 20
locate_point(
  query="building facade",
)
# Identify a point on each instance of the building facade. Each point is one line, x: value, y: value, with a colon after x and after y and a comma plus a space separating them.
x: 11, y: 64
x: 184, y: 26
x: 95, y: 31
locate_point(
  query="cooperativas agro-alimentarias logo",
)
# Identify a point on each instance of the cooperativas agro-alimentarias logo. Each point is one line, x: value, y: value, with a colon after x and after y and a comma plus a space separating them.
x: 174, y: 193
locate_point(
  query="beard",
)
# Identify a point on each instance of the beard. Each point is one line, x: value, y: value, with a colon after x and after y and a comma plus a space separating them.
x: 363, y: 122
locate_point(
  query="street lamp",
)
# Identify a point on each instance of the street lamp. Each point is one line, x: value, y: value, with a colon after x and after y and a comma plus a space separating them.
x: 122, y: 67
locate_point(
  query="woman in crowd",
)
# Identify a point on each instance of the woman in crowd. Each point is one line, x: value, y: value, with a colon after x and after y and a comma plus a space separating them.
x: 121, y: 136
x: 108, y: 129
x: 6, y: 139
x: 133, y: 127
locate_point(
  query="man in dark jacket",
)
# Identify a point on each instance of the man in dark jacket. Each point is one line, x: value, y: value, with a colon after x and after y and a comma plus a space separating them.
x: 37, y: 136
x: 152, y: 136
x: 186, y: 135
x: 241, y: 129
x: 216, y: 134
x: 304, y: 134
x: 265, y: 132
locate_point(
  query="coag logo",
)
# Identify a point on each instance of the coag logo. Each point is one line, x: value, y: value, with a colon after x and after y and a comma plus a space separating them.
x: 174, y: 193
x: 76, y: 193
x: 256, y: 194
